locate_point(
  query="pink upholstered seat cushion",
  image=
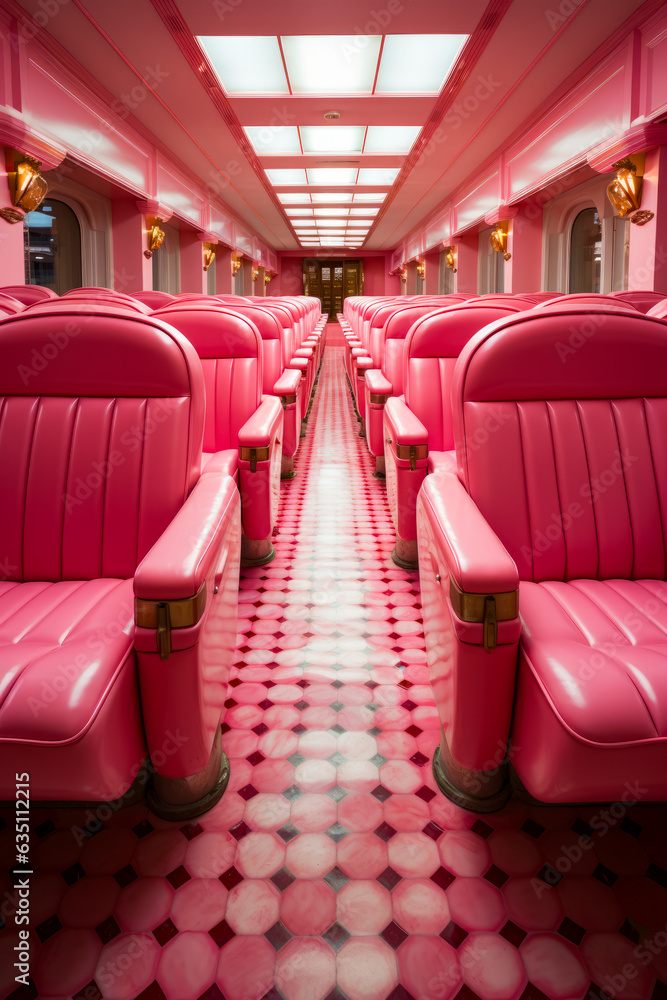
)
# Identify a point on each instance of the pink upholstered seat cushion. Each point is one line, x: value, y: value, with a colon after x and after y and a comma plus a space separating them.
x: 223, y: 462
x: 441, y: 461
x: 62, y: 646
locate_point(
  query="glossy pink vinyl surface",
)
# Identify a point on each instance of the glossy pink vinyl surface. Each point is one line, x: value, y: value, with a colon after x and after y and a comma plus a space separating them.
x: 332, y: 867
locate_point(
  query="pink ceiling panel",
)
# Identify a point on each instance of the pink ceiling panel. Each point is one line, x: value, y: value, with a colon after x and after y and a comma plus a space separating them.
x: 588, y: 116
x: 474, y: 205
x: 55, y: 105
x: 438, y: 231
x: 175, y: 190
x: 222, y: 226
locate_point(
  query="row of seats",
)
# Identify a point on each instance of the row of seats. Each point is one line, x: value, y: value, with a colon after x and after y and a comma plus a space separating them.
x: 141, y: 451
x: 399, y: 359
x: 539, y: 502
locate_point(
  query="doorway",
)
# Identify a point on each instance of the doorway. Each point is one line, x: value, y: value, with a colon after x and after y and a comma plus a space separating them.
x: 331, y: 281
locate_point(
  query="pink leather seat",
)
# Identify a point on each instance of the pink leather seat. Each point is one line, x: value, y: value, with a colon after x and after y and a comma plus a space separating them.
x: 154, y: 299
x: 243, y: 430
x: 418, y: 429
x: 542, y: 562
x: 10, y: 304
x: 644, y: 301
x: 585, y: 299
x: 119, y: 591
x: 29, y: 293
x: 92, y: 300
x: 659, y: 310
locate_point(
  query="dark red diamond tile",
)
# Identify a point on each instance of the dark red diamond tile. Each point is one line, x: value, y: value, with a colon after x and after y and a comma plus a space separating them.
x: 260, y: 729
x: 48, y: 928
x: 512, y: 933
x: 549, y: 875
x: 165, y: 932
x: 654, y: 872
x: 256, y: 758
x: 531, y: 992
x: 230, y: 878
x: 230, y: 703
x: 248, y: 792
x: 384, y: 831
x: 266, y: 704
x: 419, y: 759
x: 336, y: 879
x: 190, y: 832
x: 371, y: 684
x: 408, y: 705
x: 142, y: 830
x: 288, y: 832
x: 44, y: 829
x: 581, y: 828
x: 381, y: 793
x: 301, y: 705
x: 425, y: 793
x: 125, y: 876
x: 107, y: 930
x: 336, y: 684
x: 400, y: 993
x: 629, y: 931
x: 179, y: 876
x: 73, y: 873
x: 221, y: 933
x: 629, y: 826
x: 465, y: 993
x: 336, y: 994
x: 413, y: 731
x: 608, y: 877
x: 283, y: 879
x: 432, y: 830
x: 393, y: 935
x: 212, y: 993
x: 303, y: 683
x: 496, y: 877
x: 269, y: 684
x: 273, y: 994
x: 336, y: 936
x: 571, y: 931
x: 659, y: 991
x: 388, y: 878
x: 532, y: 828
x: 481, y: 828
x: 89, y: 992
x: 235, y: 682
x: 152, y: 992
x: 442, y: 877
x: 298, y: 729
x: 453, y: 934
x: 278, y: 935
x: 239, y: 831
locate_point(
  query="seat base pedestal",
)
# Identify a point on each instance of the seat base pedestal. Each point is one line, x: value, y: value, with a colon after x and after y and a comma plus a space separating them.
x: 178, y: 799
x: 256, y: 551
x: 405, y: 554
x: 478, y: 791
x: 287, y: 470
x: 379, y: 467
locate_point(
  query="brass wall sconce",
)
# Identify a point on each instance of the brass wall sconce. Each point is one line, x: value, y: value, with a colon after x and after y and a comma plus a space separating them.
x: 236, y: 265
x: 156, y: 235
x: 255, y: 274
x: 209, y: 254
x: 421, y: 268
x: 27, y: 188
x: 625, y: 191
x: 450, y: 259
x: 267, y: 279
x: 498, y: 240
x: 403, y: 275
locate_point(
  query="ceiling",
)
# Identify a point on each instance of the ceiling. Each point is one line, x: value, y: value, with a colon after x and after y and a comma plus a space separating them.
x: 424, y: 91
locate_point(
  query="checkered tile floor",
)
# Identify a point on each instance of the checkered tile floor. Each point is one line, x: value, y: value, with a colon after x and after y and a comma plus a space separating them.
x: 332, y: 868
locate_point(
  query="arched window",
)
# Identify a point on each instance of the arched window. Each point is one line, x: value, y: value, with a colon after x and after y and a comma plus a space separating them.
x: 586, y: 252
x: 52, y: 244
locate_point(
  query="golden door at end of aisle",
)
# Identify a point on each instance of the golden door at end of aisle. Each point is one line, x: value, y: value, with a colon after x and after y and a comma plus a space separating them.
x: 332, y: 281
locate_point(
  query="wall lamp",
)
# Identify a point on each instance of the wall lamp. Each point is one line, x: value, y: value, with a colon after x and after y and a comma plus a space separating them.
x: 236, y: 265
x: 625, y: 191
x: 421, y: 268
x: 450, y: 258
x: 155, y: 235
x: 255, y: 274
x: 209, y: 254
x: 267, y: 279
x: 27, y: 188
x: 498, y: 240
x: 403, y: 275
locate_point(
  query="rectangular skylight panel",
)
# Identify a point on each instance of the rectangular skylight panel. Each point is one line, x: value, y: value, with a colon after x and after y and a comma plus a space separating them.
x: 285, y: 176
x: 331, y: 232
x: 391, y: 138
x: 415, y: 64
x: 378, y: 175
x: 246, y: 64
x: 367, y: 196
x: 360, y: 223
x: 332, y: 138
x: 332, y: 175
x: 299, y: 211
x: 268, y: 140
x: 332, y: 222
x: 330, y: 211
x: 334, y: 198
x: 364, y: 211
x: 287, y: 198
x: 331, y: 64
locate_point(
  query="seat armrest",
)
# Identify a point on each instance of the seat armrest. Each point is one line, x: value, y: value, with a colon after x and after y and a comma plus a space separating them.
x: 364, y: 364
x: 183, y: 557
x: 288, y: 383
x: 477, y: 561
x: 377, y: 383
x: 298, y: 364
x: 404, y: 427
x: 304, y: 352
x: 260, y: 429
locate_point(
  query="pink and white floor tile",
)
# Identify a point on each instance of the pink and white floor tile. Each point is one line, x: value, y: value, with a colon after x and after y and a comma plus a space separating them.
x: 333, y: 869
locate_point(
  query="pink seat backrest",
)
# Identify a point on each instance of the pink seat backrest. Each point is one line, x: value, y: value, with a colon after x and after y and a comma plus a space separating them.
x: 395, y: 331
x: 559, y: 424
x: 431, y: 349
x: 644, y: 301
x: 10, y: 304
x: 92, y: 301
x: 584, y: 299
x: 154, y: 299
x: 29, y: 293
x: 286, y: 320
x: 101, y: 421
x: 659, y: 310
x: 230, y: 349
x: 543, y: 296
x: 271, y: 332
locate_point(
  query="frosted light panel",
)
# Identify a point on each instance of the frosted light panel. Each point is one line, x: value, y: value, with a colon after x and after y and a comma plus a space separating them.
x: 298, y: 211
x: 287, y: 176
x: 366, y: 196
x: 333, y: 196
x: 269, y: 141
x: 413, y: 64
x: 391, y: 138
x: 378, y: 175
x: 331, y: 64
x: 330, y: 211
x: 332, y: 139
x: 246, y: 64
x: 293, y: 199
x: 364, y: 211
x: 332, y: 175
